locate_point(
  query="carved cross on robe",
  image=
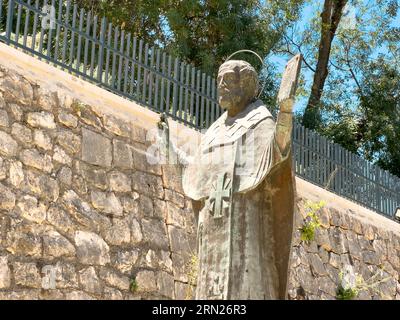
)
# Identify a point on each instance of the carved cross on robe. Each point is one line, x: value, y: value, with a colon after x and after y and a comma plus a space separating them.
x: 221, y: 192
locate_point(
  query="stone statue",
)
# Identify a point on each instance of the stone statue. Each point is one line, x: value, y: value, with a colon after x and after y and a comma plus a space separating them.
x: 243, y: 187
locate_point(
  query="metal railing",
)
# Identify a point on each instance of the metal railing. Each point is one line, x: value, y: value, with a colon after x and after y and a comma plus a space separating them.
x: 59, y: 32
x: 103, y: 54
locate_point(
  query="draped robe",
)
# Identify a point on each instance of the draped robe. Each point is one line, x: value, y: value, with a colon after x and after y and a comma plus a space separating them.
x: 243, y: 189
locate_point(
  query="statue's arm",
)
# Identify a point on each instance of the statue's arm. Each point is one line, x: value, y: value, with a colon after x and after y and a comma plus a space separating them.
x: 287, y: 91
x: 283, y: 131
x: 171, y: 152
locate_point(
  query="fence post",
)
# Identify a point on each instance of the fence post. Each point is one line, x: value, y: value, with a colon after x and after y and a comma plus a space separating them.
x: 10, y: 15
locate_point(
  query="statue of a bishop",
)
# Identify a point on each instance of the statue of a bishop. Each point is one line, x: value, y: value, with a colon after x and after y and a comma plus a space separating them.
x: 242, y: 183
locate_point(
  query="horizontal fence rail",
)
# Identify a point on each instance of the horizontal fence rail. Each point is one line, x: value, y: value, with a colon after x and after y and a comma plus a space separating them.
x: 62, y: 34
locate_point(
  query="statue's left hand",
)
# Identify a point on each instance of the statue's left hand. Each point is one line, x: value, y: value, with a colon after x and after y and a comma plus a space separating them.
x: 288, y: 86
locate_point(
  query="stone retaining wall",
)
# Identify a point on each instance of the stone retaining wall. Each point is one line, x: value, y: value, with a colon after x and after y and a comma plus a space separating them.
x: 84, y: 216
x: 80, y: 204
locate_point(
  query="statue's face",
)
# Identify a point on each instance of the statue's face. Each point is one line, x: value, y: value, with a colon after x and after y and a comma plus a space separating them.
x: 235, y: 88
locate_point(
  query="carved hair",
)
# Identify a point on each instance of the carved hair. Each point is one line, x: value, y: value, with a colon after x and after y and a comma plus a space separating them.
x: 247, y: 73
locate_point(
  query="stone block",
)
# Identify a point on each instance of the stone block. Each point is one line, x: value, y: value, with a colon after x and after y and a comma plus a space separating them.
x: 41, y: 185
x: 146, y: 207
x: 147, y: 184
x: 119, y: 182
x: 95, y: 177
x: 42, y: 140
x: 65, y: 176
x: 96, y: 149
x: 136, y: 232
x: 122, y: 155
x: 61, y: 156
x: 89, y: 281
x: 68, y: 119
x: 55, y: 245
x: 118, y: 234
x: 106, y: 202
x: 21, y: 133
x: 154, y: 233
x: 112, y: 294
x: 41, y: 120
x: 16, y: 89
x: 32, y: 158
x: 146, y: 281
x: 5, y: 273
x: 317, y: 266
x: 16, y: 111
x: 83, y: 213
x: 78, y: 295
x: 144, y: 160
x: 91, y: 249
x: 27, y: 275
x: 7, y: 198
x: 16, y: 174
x: 175, y: 215
x: 30, y: 209
x: 4, y: 121
x: 126, y: 260
x: 175, y: 197
x: 69, y: 141
x: 46, y: 99
x: 180, y: 241
x: 24, y: 240
x: 8, y: 146
x: 113, y: 279
x: 60, y: 219
x: 165, y: 285
x: 116, y: 126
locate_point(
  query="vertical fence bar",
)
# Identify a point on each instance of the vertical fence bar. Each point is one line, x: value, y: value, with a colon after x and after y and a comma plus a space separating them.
x: 163, y: 81
x: 175, y: 88
x: 86, y: 50
x: 26, y: 26
x: 168, y: 101
x: 134, y: 64
x: 145, y: 72
x: 100, y: 60
x: 121, y: 57
x: 192, y: 95
x: 208, y: 93
x: 58, y: 23
x: 42, y: 29
x: 19, y: 14
x: 151, y: 76
x: 78, y: 56
x: 114, y: 60
x: 109, y: 35
x: 187, y: 92
x: 198, y: 79
x: 92, y: 57
x: 139, y: 69
x: 157, y: 84
x: 213, y: 105
x: 64, y: 49
x: 127, y: 53
x: 10, y: 16
x: 1, y: 9
x: 72, y: 53
x: 51, y: 27
x: 181, y: 84
x: 203, y: 91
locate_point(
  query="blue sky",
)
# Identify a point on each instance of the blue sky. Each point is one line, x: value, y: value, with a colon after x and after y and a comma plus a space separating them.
x: 308, y: 12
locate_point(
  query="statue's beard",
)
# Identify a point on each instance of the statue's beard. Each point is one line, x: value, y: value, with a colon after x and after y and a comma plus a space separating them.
x: 230, y: 101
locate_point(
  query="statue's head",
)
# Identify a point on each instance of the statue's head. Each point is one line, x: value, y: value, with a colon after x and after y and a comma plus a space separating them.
x: 237, y: 85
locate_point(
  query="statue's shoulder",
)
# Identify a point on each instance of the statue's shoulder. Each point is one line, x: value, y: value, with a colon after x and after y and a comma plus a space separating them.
x: 224, y: 131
